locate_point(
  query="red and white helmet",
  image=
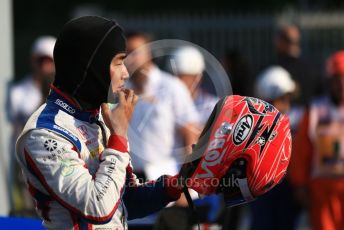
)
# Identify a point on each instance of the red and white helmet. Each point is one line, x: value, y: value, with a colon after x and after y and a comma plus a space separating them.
x: 243, y: 151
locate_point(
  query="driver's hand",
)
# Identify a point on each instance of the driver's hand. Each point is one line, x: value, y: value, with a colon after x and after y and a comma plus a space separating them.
x: 118, y: 119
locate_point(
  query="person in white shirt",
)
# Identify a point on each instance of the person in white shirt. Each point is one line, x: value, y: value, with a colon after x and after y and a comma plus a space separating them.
x: 23, y: 99
x: 28, y: 94
x: 165, y: 119
x: 188, y: 64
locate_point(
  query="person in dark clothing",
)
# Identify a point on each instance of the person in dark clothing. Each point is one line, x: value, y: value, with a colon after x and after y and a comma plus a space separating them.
x: 287, y: 43
x: 239, y: 71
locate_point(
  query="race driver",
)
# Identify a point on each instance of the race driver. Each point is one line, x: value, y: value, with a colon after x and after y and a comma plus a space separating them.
x: 74, y: 157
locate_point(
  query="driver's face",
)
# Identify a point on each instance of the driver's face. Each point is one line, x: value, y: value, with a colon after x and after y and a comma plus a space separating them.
x: 118, y: 72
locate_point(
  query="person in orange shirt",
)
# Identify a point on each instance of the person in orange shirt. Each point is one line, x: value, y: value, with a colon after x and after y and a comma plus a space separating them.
x: 317, y: 165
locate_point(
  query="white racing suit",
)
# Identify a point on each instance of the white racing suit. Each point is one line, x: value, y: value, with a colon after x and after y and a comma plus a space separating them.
x: 79, y: 175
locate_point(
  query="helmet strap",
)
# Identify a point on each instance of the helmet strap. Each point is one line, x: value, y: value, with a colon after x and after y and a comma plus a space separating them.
x: 191, y: 204
x: 245, y: 191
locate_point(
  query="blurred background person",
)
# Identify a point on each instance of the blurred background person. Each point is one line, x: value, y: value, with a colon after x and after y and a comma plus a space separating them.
x: 187, y: 63
x: 165, y: 119
x: 239, y: 71
x: 276, y: 86
x: 277, y: 209
x: 317, y: 164
x: 28, y: 94
x: 287, y: 44
x: 24, y: 98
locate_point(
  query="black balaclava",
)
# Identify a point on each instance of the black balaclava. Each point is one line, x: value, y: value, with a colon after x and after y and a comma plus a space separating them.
x: 82, y: 55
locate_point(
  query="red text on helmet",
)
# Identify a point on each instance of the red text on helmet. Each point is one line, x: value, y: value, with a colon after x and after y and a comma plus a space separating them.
x: 214, y: 155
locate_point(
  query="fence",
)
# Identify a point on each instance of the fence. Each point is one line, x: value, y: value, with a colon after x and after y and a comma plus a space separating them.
x: 251, y: 34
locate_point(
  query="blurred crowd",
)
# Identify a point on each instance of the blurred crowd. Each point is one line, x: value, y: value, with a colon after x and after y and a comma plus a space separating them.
x: 174, y: 106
